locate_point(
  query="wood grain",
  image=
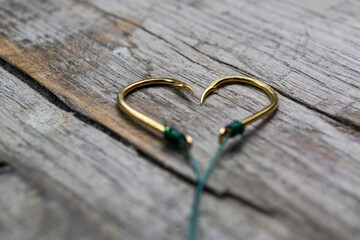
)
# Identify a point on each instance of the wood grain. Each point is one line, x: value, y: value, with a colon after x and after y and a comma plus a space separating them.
x: 31, y: 213
x: 297, y: 47
x: 111, y: 186
x: 301, y: 166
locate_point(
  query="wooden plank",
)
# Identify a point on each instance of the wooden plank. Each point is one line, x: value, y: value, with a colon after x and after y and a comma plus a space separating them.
x: 31, y: 213
x: 110, y: 183
x: 300, y: 164
x: 305, y: 50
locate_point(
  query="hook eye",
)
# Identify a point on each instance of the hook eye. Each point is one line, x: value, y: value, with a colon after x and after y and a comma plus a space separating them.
x: 237, y: 127
x: 171, y: 135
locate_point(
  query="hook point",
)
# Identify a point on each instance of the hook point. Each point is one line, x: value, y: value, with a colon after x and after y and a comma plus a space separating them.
x: 206, y: 92
x: 202, y: 98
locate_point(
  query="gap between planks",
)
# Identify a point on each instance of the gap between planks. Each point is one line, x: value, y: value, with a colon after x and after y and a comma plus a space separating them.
x: 52, y: 98
x: 5, y: 167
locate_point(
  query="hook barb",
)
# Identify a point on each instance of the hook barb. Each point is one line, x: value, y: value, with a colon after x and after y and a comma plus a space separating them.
x: 185, y: 87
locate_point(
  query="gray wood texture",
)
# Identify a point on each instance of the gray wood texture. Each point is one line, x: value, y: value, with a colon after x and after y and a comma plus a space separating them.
x: 28, y: 212
x: 295, y: 175
x: 123, y: 194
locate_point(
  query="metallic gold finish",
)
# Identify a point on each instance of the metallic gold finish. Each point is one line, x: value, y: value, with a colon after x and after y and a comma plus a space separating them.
x: 141, y: 117
x: 223, y: 132
x: 214, y: 86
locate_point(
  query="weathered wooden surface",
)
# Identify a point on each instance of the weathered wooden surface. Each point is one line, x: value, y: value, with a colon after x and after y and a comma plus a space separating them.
x: 33, y: 214
x: 114, y: 187
x: 300, y: 168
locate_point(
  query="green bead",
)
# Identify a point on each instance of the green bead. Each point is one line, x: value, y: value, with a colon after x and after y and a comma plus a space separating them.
x: 236, y: 127
x: 174, y: 138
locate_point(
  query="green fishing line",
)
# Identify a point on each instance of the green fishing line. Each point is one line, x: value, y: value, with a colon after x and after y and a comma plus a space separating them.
x: 177, y: 140
x: 194, y: 215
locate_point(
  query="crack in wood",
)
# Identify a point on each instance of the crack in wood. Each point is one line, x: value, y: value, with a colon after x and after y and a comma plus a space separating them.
x: 344, y: 121
x: 302, y: 192
x: 5, y: 167
x: 48, y: 95
x: 35, y: 85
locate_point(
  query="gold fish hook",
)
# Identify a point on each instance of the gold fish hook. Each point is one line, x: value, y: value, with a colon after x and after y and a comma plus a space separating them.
x: 238, y: 126
x: 171, y: 135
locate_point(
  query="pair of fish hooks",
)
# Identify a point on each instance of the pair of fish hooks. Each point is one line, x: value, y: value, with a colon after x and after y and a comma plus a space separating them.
x: 178, y: 140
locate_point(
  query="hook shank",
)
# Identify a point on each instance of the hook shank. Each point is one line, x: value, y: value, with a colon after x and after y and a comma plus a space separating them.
x: 214, y: 86
x: 141, y: 117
